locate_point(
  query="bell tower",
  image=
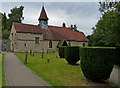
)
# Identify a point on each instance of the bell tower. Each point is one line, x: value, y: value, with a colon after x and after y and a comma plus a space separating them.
x: 43, y: 19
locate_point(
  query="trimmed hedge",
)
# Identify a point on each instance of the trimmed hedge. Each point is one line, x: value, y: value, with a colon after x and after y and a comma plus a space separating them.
x: 97, y: 63
x: 72, y: 54
x: 61, y: 52
x: 117, y: 58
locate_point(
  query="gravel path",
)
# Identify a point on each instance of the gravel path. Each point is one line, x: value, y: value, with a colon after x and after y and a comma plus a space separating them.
x: 17, y: 74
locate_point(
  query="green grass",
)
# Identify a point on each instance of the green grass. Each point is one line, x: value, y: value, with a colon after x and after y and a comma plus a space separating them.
x: 116, y: 66
x: 2, y: 69
x: 3, y: 73
x: 57, y: 72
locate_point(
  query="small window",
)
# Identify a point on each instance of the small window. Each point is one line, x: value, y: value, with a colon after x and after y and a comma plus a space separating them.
x: 24, y: 44
x: 83, y: 44
x: 50, y: 44
x: 36, y: 40
x: 12, y: 35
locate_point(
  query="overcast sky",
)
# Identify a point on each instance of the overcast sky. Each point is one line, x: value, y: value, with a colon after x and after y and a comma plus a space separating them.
x: 84, y: 14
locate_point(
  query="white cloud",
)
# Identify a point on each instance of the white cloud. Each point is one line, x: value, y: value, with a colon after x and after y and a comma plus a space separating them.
x: 50, y: 0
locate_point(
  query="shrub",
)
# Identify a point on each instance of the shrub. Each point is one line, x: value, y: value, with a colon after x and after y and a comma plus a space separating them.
x: 97, y: 63
x: 72, y: 54
x: 61, y: 52
x: 117, y: 59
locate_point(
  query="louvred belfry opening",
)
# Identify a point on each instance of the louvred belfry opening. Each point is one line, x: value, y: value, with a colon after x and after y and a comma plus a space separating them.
x: 43, y: 19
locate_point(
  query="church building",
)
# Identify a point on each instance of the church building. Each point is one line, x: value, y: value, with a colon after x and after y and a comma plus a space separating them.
x: 43, y: 36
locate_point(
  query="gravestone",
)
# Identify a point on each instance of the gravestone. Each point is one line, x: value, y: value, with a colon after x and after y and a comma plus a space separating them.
x: 26, y: 57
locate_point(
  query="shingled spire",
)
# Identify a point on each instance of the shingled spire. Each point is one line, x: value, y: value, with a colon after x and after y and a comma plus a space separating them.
x: 43, y: 15
x: 43, y: 19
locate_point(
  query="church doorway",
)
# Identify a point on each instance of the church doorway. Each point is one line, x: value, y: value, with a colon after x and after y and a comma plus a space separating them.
x: 64, y: 43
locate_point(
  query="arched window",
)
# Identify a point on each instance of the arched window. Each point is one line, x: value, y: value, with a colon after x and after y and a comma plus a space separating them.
x: 83, y: 44
x: 50, y: 44
x: 12, y: 35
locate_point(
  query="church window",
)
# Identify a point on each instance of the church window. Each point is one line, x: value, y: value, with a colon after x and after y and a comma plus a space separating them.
x: 50, y: 44
x: 36, y: 40
x: 83, y: 44
x: 12, y: 35
x: 24, y: 44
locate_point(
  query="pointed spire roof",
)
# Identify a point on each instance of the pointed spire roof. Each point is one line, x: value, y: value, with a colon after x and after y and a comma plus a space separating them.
x: 43, y: 15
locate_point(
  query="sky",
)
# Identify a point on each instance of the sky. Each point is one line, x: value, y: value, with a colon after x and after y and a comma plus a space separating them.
x: 83, y: 14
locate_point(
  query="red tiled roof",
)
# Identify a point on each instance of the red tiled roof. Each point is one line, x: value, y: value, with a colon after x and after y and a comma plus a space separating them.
x: 61, y: 33
x: 80, y: 36
x: 52, y: 33
x: 26, y: 28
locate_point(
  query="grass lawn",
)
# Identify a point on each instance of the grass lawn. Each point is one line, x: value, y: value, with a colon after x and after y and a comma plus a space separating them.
x: 116, y: 66
x: 2, y: 69
x: 57, y: 72
x: 3, y: 73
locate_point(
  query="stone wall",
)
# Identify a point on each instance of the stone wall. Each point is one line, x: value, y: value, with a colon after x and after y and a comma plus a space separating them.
x: 26, y: 41
x: 77, y: 43
x: 20, y: 42
x: 54, y: 46
x: 12, y: 38
x: 30, y: 45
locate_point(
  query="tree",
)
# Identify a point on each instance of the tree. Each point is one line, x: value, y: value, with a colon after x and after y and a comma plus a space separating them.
x: 5, y: 34
x: 16, y: 15
x: 73, y: 28
x: 0, y: 24
x: 107, y: 29
x: 107, y: 6
x: 63, y: 25
x: 4, y: 21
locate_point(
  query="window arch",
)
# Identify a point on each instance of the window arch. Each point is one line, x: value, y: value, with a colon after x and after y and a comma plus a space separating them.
x: 50, y: 44
x: 12, y: 35
x: 83, y: 44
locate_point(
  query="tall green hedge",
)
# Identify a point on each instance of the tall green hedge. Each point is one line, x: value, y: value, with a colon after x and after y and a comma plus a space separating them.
x: 97, y: 63
x: 61, y: 52
x: 72, y: 54
x: 117, y: 59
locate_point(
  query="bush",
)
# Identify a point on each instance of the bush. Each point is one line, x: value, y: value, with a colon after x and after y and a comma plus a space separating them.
x: 61, y: 52
x: 97, y: 63
x: 117, y: 59
x: 72, y: 54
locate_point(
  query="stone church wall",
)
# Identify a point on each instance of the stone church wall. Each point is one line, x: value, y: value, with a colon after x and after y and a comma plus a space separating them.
x: 26, y: 41
x: 77, y: 43
x: 20, y: 42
